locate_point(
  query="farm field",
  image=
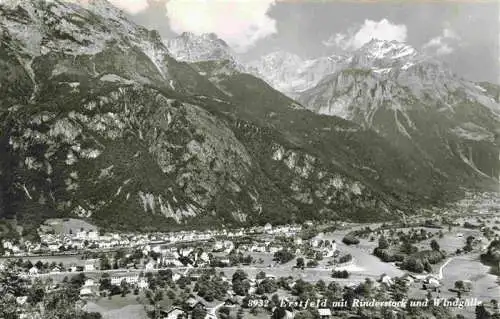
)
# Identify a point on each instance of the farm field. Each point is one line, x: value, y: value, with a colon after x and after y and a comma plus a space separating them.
x: 118, y: 308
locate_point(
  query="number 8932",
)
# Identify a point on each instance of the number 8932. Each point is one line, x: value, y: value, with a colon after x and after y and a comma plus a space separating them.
x: 258, y: 303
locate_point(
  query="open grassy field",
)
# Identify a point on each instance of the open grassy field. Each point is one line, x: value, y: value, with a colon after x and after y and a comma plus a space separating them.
x: 118, y: 308
x: 484, y: 286
x: 367, y: 264
x: 66, y: 260
x: 63, y: 226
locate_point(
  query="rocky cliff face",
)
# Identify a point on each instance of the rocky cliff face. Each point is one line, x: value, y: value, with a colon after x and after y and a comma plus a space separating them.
x: 290, y: 74
x: 189, y: 47
x: 99, y: 121
x: 416, y: 103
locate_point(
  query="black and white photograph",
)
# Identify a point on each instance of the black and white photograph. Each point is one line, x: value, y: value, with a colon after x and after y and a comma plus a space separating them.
x: 249, y: 159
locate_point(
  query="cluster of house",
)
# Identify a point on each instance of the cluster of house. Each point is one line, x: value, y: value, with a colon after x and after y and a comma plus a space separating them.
x: 170, y: 255
x: 88, y: 266
x: 91, y: 238
x: 193, y: 303
x: 429, y: 281
x: 326, y: 248
x: 317, y: 243
x: 482, y: 202
x: 91, y: 287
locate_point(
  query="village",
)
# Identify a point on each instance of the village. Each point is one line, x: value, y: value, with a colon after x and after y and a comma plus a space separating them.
x: 250, y: 271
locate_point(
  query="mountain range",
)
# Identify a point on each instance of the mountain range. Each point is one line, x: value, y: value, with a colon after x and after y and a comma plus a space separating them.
x: 412, y: 99
x: 103, y: 119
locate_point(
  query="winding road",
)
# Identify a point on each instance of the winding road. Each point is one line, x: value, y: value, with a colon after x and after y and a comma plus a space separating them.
x: 440, y: 273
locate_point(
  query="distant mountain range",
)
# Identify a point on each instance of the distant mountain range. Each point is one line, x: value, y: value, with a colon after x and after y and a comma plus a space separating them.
x: 410, y: 98
x: 104, y: 120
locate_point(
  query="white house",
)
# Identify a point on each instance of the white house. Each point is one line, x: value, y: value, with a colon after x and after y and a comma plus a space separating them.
x: 33, y: 270
x: 150, y: 266
x: 54, y: 247
x: 204, y: 256
x: 56, y: 269
x: 156, y: 249
x: 333, y: 246
x: 93, y: 235
x: 386, y: 280
x: 432, y: 282
x: 258, y: 248
x: 81, y: 234
x: 106, y: 238
x: 186, y: 251
x: 316, y: 241
x: 408, y: 280
x: 175, y: 313
x: 7, y: 244
x: 104, y: 244
x: 86, y: 291
x: 324, y: 312
x: 143, y: 284
x: 327, y: 253
x: 176, y: 276
x: 129, y: 279
x: 21, y: 300
x: 89, y: 283
x: 169, y: 260
x: 89, y: 265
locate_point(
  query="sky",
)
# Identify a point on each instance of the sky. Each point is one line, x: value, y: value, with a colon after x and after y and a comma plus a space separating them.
x: 464, y: 34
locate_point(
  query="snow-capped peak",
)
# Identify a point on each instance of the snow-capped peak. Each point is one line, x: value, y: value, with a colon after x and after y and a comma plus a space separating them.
x: 290, y: 74
x: 380, y: 49
x: 279, y: 60
x: 281, y: 57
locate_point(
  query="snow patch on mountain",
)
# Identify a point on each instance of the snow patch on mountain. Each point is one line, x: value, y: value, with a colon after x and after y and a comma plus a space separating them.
x: 291, y: 74
x: 388, y: 49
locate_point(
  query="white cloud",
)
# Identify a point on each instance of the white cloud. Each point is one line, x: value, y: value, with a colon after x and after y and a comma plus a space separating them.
x: 442, y: 44
x: 381, y: 30
x: 335, y: 40
x: 450, y: 34
x: 240, y: 23
x: 444, y: 49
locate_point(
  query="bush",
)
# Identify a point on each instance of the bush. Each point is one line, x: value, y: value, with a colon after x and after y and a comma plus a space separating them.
x: 350, y: 240
x: 414, y: 265
x: 283, y: 256
x: 383, y: 243
x: 470, y: 225
x: 345, y: 258
x: 422, y: 260
x: 340, y: 274
x: 435, y: 245
x: 386, y: 256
